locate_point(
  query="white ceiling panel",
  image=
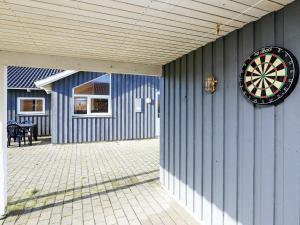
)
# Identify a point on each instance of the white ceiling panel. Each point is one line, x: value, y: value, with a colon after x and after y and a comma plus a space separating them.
x: 135, y: 31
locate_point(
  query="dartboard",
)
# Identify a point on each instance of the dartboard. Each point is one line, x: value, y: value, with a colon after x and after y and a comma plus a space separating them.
x: 269, y: 75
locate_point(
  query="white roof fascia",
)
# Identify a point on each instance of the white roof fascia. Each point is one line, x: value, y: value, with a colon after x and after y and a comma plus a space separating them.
x: 32, y: 89
x: 54, y: 78
x: 45, y: 84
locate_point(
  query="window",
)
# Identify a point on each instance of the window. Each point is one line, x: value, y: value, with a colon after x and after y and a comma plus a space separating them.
x: 93, y: 98
x: 31, y: 105
x: 80, y: 105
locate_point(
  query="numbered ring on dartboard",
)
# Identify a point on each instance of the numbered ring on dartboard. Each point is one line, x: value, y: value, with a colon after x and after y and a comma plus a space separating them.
x: 269, y: 75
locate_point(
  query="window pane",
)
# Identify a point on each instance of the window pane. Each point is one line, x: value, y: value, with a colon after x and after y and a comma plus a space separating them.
x: 99, y: 86
x: 99, y: 105
x: 39, y: 105
x: 31, y: 105
x: 27, y: 105
x: 80, y: 105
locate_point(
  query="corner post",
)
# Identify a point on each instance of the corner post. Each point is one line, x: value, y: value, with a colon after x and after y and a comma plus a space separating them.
x: 3, y: 140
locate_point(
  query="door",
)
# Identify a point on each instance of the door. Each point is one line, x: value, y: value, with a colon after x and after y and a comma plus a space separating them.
x: 157, y: 114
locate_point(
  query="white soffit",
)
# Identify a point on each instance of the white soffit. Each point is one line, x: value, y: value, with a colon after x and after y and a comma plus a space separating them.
x: 137, y: 31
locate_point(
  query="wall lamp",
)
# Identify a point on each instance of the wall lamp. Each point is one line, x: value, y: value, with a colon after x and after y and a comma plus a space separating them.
x: 210, y: 84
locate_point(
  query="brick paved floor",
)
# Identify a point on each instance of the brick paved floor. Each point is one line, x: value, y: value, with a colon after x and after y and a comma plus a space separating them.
x: 96, y: 183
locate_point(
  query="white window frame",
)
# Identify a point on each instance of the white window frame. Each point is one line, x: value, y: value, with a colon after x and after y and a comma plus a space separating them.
x: 89, y: 99
x: 19, y: 112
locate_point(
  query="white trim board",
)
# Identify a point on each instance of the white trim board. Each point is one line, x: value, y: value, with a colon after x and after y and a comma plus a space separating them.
x: 25, y: 89
x: 3, y: 140
x: 11, y: 58
x: 54, y: 78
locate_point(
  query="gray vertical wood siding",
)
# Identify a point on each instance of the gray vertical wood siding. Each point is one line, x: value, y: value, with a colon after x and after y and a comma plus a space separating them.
x: 124, y: 124
x: 227, y: 161
x: 43, y: 121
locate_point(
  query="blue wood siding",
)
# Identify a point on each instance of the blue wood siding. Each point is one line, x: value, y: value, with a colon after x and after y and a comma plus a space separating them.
x: 43, y: 121
x: 227, y: 161
x: 124, y: 124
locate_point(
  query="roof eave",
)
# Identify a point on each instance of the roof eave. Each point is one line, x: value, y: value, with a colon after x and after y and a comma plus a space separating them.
x: 47, y: 88
x: 46, y: 84
x: 23, y: 88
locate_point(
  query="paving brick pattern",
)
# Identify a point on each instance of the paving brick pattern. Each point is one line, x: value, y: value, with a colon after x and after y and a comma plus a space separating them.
x: 96, y: 183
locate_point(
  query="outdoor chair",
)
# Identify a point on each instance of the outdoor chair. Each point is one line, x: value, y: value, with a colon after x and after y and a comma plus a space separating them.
x: 26, y: 131
x: 31, y: 132
x: 14, y: 131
